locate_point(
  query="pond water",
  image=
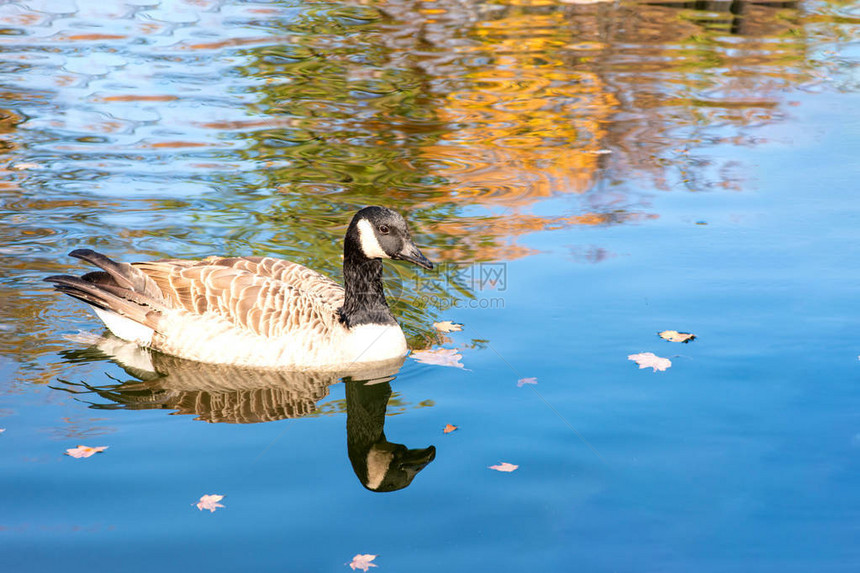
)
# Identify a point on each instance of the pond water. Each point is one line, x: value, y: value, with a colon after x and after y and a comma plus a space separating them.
x: 584, y: 174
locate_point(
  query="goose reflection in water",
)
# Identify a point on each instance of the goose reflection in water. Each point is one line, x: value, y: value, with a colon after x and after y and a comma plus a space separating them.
x: 234, y: 395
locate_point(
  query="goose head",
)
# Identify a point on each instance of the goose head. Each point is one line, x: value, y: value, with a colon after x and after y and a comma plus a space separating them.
x: 390, y: 467
x: 380, y: 233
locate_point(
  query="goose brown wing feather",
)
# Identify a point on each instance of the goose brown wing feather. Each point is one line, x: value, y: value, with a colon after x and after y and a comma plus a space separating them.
x: 288, y: 272
x: 269, y: 297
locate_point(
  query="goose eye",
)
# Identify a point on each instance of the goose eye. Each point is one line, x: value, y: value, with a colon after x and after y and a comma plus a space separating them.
x: 384, y: 229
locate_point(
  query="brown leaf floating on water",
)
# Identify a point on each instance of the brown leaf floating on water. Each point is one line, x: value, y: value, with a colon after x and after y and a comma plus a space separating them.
x: 675, y: 336
x: 448, y: 326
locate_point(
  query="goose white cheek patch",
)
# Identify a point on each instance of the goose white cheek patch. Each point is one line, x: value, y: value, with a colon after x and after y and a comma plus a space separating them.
x: 369, y: 244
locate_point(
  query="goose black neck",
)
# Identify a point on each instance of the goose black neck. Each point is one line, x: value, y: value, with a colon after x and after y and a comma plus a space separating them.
x: 364, y: 299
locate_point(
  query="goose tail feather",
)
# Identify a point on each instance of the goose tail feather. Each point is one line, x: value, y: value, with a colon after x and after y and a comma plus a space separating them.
x: 124, y: 275
x: 119, y: 289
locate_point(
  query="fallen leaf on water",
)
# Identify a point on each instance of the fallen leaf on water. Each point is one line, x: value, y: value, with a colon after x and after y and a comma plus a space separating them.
x: 449, y: 428
x: 504, y: 467
x: 447, y: 326
x: 650, y: 360
x: 523, y: 381
x: 439, y: 356
x: 84, y: 451
x: 362, y: 562
x: 210, y: 502
x: 25, y: 166
x: 2, y: 430
x: 675, y: 336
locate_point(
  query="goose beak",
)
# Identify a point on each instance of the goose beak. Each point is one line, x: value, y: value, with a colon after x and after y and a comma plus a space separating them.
x: 411, y: 253
x: 415, y: 460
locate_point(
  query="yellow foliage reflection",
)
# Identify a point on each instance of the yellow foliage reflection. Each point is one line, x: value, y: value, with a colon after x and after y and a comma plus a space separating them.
x: 544, y: 99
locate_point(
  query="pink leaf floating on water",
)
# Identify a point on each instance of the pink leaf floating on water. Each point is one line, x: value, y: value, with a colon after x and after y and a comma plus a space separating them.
x: 650, y: 360
x: 210, y: 502
x: 504, y: 467
x: 24, y: 166
x: 439, y: 357
x: 85, y: 451
x: 522, y: 381
x: 362, y: 562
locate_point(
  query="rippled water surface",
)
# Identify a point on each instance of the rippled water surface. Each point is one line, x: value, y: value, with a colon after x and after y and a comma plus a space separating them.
x: 584, y: 174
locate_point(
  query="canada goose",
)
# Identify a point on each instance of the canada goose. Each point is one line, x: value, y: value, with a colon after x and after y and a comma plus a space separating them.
x: 257, y: 311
